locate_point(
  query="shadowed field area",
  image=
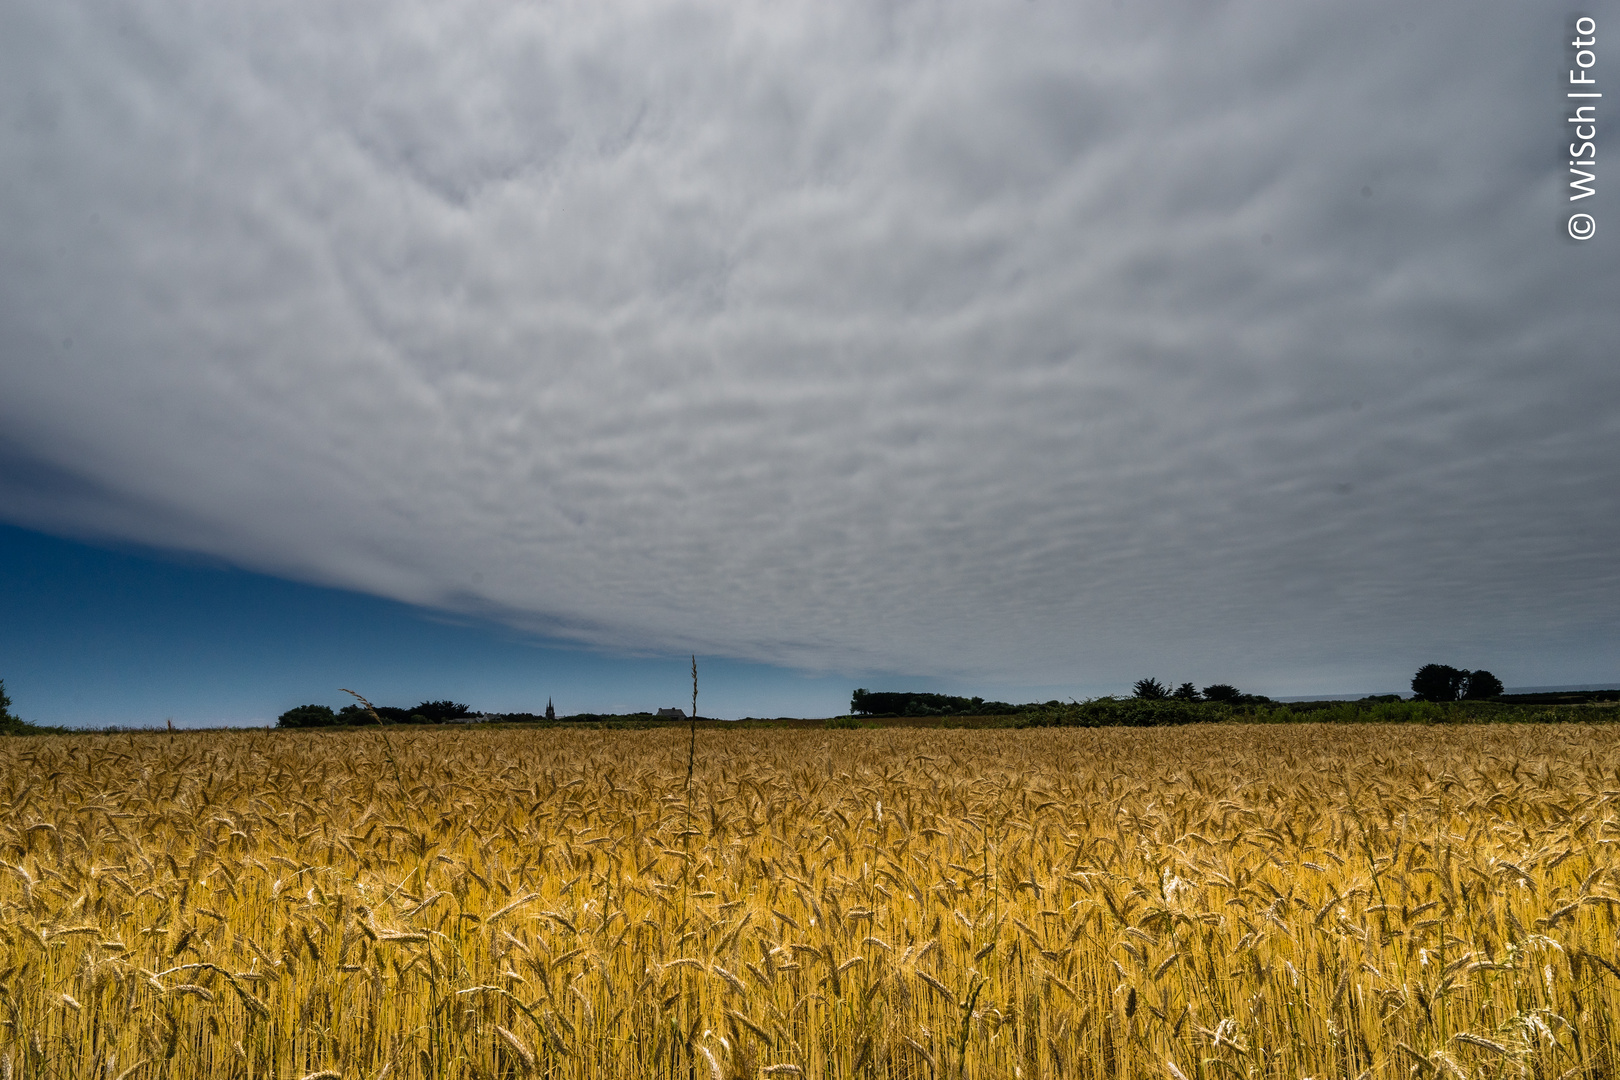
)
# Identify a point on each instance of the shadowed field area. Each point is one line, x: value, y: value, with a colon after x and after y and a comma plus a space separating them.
x: 1203, y: 901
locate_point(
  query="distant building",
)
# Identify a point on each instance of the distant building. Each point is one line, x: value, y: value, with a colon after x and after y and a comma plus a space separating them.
x: 671, y: 714
x: 551, y: 713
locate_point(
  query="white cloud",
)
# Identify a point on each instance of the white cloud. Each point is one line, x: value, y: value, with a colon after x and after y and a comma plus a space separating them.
x: 1044, y: 341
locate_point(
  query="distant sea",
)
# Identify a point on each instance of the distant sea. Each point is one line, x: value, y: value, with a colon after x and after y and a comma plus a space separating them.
x: 1561, y: 689
x: 1407, y: 692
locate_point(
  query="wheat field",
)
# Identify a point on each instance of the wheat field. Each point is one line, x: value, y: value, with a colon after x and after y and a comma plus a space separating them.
x: 1201, y: 902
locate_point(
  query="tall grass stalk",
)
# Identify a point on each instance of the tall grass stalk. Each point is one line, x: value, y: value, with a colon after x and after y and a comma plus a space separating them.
x: 388, y: 749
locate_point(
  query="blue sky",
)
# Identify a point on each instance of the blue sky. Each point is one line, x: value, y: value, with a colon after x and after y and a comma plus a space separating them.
x: 1022, y: 349
x: 98, y: 637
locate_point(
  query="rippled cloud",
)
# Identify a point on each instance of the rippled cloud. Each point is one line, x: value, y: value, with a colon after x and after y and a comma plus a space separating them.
x: 1031, y: 341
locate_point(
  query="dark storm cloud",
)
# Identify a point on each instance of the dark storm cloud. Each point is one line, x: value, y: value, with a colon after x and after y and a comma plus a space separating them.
x: 1055, y: 342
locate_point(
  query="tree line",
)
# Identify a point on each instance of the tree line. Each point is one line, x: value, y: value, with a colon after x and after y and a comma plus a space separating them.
x: 427, y: 712
x: 912, y: 703
x: 1433, y: 682
x: 1220, y: 693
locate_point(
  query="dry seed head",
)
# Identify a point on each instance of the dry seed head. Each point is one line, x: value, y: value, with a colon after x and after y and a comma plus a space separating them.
x: 1481, y: 1042
x: 730, y: 979
x: 523, y: 1052
x: 714, y: 1065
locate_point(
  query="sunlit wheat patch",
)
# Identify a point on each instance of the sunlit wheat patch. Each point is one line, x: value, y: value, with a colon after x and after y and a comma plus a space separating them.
x: 1218, y: 901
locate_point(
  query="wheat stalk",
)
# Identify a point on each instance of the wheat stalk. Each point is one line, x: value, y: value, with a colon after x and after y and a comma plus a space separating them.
x: 1024, y: 902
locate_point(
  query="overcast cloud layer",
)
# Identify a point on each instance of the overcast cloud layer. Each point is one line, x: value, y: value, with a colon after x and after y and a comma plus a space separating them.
x: 1035, y: 341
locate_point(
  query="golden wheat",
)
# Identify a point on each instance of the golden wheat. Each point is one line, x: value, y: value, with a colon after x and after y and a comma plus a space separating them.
x: 1194, y: 902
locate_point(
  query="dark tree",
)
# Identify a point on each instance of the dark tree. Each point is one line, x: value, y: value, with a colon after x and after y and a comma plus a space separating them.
x: 1438, y: 682
x: 1186, y: 692
x: 308, y: 716
x: 12, y: 724
x: 440, y: 712
x: 1151, y: 690
x: 911, y: 703
x: 356, y: 715
x: 8, y: 723
x: 1481, y: 684
x: 1221, y: 692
